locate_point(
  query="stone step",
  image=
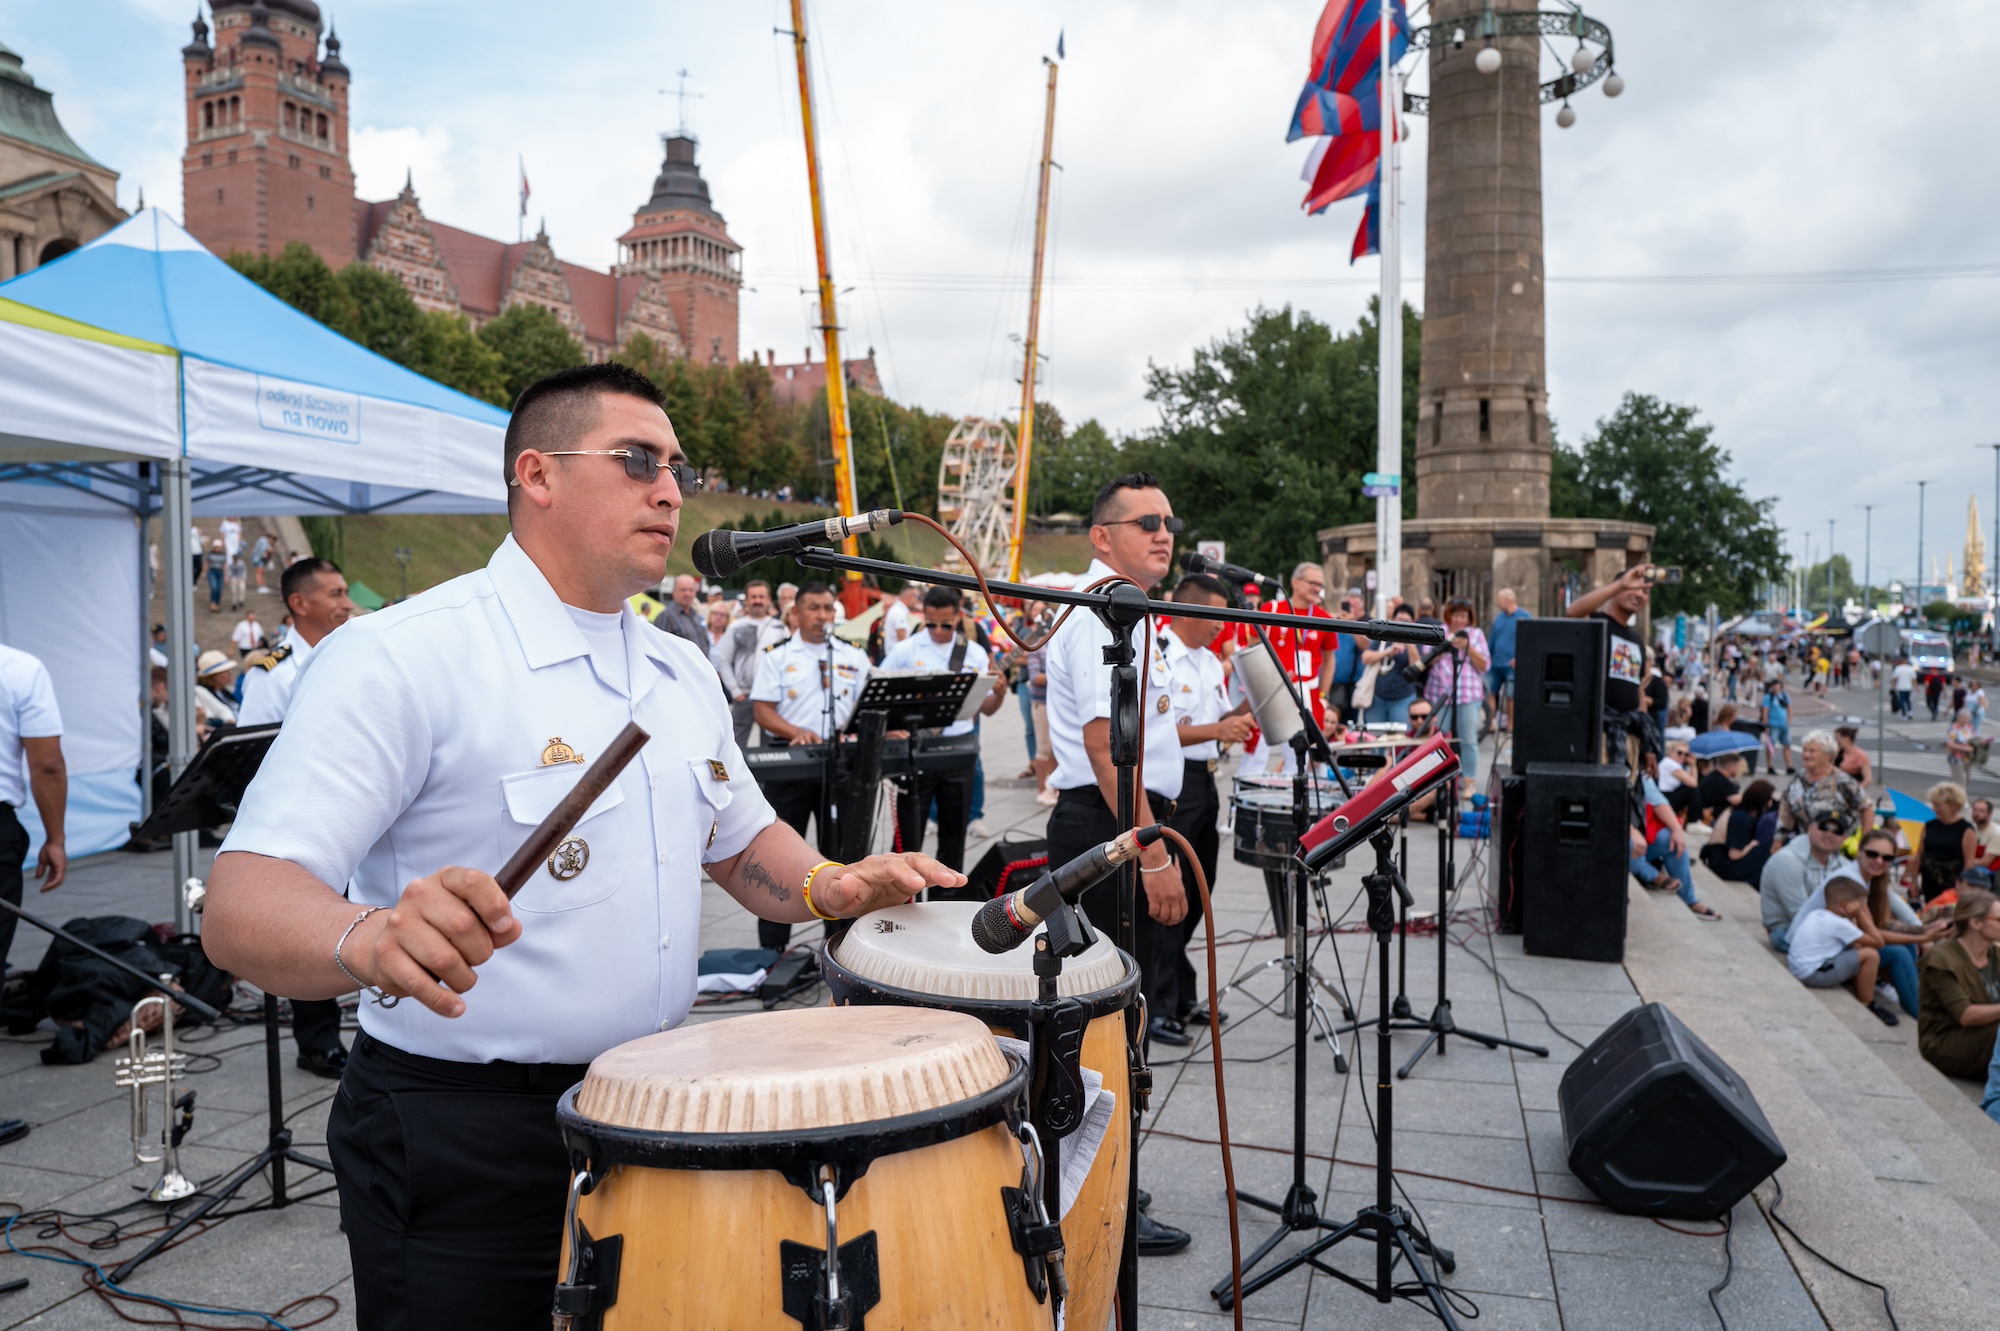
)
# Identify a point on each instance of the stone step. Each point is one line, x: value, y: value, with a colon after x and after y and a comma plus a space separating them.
x: 1893, y: 1184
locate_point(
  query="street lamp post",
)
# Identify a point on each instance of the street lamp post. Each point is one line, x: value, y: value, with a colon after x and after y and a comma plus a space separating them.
x: 1919, y: 584
x: 1829, y: 572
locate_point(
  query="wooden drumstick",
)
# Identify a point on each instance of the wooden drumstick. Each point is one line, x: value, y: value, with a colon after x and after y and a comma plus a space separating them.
x: 541, y: 843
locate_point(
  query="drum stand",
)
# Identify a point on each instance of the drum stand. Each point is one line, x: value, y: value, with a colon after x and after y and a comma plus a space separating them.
x: 1388, y: 1225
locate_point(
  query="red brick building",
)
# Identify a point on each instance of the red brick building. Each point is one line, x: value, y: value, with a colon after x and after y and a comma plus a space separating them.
x: 267, y: 164
x: 802, y: 382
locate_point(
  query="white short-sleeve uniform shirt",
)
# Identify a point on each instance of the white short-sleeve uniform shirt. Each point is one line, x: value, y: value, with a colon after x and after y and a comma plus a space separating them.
x: 27, y: 711
x: 440, y: 732
x: 1080, y: 691
x: 267, y: 690
x: 919, y: 652
x: 808, y: 684
x: 1200, y: 695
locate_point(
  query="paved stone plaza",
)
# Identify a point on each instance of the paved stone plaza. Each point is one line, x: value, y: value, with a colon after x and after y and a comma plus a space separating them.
x: 1893, y: 1169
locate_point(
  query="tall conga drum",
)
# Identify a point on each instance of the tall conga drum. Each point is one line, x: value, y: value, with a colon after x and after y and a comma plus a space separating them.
x: 711, y: 1150
x: 922, y: 955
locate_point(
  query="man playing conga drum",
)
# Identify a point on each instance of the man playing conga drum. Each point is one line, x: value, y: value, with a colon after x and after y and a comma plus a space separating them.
x: 423, y: 745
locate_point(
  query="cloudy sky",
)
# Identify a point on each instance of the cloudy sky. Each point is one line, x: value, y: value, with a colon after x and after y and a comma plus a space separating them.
x: 1735, y: 232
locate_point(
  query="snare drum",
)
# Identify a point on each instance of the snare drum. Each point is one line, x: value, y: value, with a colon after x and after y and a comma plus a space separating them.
x: 1261, y: 808
x: 922, y: 955
x: 707, y: 1147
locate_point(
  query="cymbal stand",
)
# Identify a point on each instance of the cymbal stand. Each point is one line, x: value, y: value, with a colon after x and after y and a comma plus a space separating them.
x: 1395, y: 1237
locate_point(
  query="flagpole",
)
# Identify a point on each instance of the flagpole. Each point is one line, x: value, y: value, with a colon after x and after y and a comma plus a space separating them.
x: 1389, y: 343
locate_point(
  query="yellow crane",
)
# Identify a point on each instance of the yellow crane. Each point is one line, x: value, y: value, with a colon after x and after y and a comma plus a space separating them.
x: 836, y: 370
x: 1024, y: 441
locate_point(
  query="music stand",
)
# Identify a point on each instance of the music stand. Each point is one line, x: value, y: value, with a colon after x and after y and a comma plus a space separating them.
x: 208, y: 792
x: 914, y: 701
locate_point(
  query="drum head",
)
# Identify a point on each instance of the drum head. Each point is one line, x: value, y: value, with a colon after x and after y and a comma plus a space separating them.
x: 793, y: 1070
x: 927, y: 948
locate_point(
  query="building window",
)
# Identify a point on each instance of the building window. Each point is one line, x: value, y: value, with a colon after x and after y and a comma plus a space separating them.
x: 232, y: 157
x: 292, y: 160
x: 291, y: 116
x: 236, y: 108
x: 208, y: 159
x: 1485, y: 418
x: 326, y: 173
x: 218, y: 194
x: 208, y: 115
x: 321, y: 126
x: 309, y: 203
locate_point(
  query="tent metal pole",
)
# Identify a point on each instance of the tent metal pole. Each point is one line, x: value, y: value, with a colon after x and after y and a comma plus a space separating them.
x: 177, y: 567
x: 145, y: 512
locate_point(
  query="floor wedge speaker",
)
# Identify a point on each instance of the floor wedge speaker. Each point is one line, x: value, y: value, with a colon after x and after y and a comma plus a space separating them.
x: 1657, y: 1125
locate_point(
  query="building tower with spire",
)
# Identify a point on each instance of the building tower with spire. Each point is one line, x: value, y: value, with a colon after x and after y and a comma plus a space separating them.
x: 1975, y: 554
x: 679, y: 237
x: 266, y: 159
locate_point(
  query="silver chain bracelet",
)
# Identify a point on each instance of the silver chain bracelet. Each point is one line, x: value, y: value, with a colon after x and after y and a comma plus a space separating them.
x: 383, y: 999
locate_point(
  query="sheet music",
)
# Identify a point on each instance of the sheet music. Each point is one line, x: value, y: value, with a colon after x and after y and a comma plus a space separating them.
x: 1079, y: 1148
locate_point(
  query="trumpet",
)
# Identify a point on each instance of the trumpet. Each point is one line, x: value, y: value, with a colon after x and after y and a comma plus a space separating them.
x: 143, y: 1069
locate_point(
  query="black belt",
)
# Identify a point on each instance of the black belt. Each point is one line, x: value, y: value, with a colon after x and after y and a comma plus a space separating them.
x: 1205, y: 766
x: 536, y: 1078
x: 1093, y: 798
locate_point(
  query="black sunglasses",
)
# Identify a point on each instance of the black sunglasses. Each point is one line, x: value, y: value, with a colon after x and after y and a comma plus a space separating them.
x: 641, y: 464
x: 1150, y: 522
x: 1878, y: 855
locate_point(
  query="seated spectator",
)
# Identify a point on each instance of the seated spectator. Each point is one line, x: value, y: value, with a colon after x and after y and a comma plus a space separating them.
x: 1821, y: 789
x: 1660, y: 855
x: 1905, y: 937
x: 1677, y: 780
x: 1960, y: 987
x: 1717, y: 791
x: 1740, y: 853
x: 1837, y: 944
x: 1795, y: 872
x: 1946, y: 845
x: 1854, y: 759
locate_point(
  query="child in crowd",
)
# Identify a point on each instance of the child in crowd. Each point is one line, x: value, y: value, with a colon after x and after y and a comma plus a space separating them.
x: 1777, y: 725
x: 1839, y: 943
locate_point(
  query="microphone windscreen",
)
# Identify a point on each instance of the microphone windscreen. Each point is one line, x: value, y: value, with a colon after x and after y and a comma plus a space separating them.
x: 1194, y: 561
x: 714, y: 554
x: 994, y: 930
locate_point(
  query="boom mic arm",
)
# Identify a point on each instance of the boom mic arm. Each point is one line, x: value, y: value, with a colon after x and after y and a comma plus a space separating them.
x: 719, y: 553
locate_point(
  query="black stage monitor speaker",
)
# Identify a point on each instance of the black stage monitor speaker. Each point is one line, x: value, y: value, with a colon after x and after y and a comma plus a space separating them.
x: 1657, y: 1125
x: 1575, y: 855
x: 1559, y: 669
x: 1507, y: 848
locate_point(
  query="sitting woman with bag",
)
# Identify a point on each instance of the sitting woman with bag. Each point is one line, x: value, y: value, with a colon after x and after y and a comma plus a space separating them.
x: 1748, y: 830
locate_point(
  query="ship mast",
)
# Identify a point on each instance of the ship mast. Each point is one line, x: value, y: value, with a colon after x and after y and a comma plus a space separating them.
x: 836, y: 372
x: 1025, y: 440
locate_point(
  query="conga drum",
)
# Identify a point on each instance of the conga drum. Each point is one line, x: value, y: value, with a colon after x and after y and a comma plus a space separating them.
x: 922, y: 955
x: 711, y: 1151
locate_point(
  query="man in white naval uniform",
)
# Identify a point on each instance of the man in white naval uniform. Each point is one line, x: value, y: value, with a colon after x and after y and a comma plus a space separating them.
x: 424, y: 745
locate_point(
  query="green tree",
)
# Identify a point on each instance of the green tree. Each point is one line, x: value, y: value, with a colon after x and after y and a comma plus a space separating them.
x: 1070, y: 466
x: 1653, y: 462
x: 445, y: 348
x: 1263, y: 440
x: 531, y: 343
x: 301, y: 278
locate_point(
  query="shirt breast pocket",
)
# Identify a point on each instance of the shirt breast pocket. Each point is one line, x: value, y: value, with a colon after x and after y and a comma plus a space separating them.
x: 587, y: 866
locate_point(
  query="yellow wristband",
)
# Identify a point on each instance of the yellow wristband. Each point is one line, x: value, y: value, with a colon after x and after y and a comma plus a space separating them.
x: 808, y: 890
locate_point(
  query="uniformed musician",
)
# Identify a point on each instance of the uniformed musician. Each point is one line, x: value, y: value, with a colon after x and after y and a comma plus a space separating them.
x: 805, y: 692
x: 1132, y: 528
x: 1205, y: 722
x: 425, y: 743
x: 315, y: 594
x: 942, y: 647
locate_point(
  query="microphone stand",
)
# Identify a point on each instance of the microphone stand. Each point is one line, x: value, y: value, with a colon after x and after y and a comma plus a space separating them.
x: 1120, y: 608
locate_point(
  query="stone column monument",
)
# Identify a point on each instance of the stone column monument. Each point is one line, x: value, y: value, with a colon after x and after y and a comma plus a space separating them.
x: 1482, y: 428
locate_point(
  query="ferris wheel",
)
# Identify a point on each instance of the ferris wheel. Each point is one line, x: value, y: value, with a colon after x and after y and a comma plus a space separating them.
x: 975, y: 484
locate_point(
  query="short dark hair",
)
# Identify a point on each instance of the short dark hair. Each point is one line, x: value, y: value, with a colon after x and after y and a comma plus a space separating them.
x: 942, y: 598
x: 1131, y: 480
x: 816, y: 589
x: 300, y: 573
x: 1842, y: 890
x: 756, y: 582
x: 557, y: 407
x: 1204, y: 583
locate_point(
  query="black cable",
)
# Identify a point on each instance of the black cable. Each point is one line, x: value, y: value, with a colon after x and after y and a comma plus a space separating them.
x: 1728, y: 1265
x: 1784, y: 1224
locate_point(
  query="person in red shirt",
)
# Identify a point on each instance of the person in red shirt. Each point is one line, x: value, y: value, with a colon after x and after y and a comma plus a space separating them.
x: 1305, y: 653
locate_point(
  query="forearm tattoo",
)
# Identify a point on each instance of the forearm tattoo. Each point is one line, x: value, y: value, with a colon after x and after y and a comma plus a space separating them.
x: 757, y: 876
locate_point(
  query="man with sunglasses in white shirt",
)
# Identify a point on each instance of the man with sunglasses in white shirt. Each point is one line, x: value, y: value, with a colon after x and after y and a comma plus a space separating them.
x: 424, y: 743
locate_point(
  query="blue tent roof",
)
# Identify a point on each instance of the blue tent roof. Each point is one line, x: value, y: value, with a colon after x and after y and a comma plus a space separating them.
x: 148, y: 278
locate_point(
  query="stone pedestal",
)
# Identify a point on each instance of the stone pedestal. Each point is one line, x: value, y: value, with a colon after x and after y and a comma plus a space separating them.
x: 1547, y: 561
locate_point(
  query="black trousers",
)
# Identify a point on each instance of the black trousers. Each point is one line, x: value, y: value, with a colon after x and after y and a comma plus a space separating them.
x: 953, y: 792
x: 452, y: 1180
x: 1079, y: 821
x: 316, y: 1024
x: 13, y: 850
x: 1195, y: 816
x: 796, y: 803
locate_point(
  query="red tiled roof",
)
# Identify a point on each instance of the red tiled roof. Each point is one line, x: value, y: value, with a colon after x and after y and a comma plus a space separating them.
x: 479, y: 265
x: 598, y: 300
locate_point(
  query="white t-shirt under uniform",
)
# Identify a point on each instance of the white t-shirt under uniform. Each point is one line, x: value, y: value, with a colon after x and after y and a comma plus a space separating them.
x: 27, y: 711
x: 1816, y: 939
x: 919, y: 652
x: 1080, y: 692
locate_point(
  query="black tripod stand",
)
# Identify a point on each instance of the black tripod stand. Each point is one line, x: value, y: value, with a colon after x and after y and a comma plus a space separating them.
x: 1389, y: 1226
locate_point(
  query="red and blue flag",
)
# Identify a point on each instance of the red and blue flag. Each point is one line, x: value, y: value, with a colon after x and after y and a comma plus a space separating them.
x: 1342, y: 92
x: 1368, y: 236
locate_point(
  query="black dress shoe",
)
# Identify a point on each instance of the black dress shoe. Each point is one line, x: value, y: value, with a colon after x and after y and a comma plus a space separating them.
x: 12, y: 1130
x: 1158, y: 1240
x: 326, y: 1063
x: 1168, y: 1031
x: 1145, y: 1200
x: 1198, y: 1016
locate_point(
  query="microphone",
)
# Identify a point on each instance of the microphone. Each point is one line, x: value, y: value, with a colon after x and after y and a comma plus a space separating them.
x: 1234, y: 574
x: 1004, y: 923
x: 719, y: 553
x: 1377, y: 802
